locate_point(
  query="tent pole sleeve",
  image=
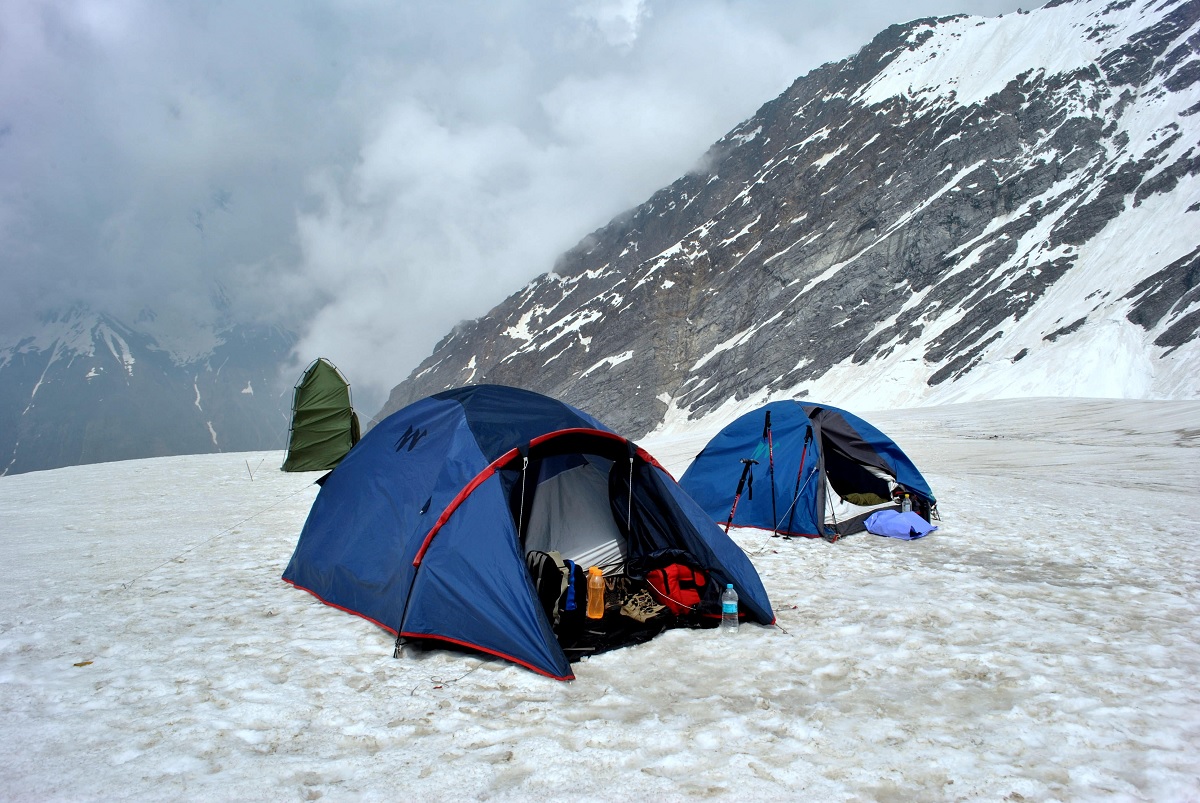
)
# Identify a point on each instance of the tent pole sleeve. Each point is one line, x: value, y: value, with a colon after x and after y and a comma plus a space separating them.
x: 771, y: 472
x: 521, y: 511
x: 629, y: 505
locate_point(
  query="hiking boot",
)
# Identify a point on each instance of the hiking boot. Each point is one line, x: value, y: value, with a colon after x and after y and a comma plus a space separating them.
x: 642, y: 607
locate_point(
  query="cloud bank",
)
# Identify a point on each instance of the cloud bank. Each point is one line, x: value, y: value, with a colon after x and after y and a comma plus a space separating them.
x: 366, y: 172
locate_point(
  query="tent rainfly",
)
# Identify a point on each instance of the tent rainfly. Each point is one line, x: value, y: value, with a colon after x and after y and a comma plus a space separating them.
x: 429, y: 525
x: 324, y: 424
x: 805, y: 469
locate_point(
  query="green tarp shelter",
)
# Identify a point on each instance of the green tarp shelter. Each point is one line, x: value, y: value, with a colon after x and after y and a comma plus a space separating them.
x: 324, y: 424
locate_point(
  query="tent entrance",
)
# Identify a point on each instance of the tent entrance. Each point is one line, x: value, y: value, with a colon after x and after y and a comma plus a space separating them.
x: 855, y: 481
x: 853, y: 489
x: 586, y: 499
x: 571, y: 514
x: 559, y: 495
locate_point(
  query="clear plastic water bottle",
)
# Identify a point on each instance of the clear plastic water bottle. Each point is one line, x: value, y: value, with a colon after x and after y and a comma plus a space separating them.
x: 906, y: 504
x: 729, y: 609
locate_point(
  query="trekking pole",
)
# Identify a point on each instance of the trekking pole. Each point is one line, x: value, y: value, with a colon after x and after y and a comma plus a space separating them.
x: 746, y: 463
x: 791, y: 507
x: 799, y: 471
x: 787, y: 535
x: 771, y: 468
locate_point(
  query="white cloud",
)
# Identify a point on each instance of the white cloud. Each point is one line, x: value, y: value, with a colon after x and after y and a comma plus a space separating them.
x: 617, y: 21
x: 368, y: 172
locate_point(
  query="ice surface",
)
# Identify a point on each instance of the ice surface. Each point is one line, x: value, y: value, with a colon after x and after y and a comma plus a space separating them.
x: 1040, y: 645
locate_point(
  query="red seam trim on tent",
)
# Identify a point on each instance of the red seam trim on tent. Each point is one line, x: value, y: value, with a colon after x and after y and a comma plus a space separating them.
x: 503, y: 459
x: 642, y: 453
x: 736, y: 525
x: 455, y: 502
x: 394, y: 632
x: 496, y: 653
x: 375, y: 622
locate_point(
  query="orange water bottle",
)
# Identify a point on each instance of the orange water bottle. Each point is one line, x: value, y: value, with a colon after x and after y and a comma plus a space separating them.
x: 595, y: 593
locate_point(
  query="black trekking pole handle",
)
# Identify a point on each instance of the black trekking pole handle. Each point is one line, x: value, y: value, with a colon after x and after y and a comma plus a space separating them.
x: 746, y: 463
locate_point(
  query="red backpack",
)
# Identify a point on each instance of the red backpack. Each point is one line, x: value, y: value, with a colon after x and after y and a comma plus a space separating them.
x: 677, y: 586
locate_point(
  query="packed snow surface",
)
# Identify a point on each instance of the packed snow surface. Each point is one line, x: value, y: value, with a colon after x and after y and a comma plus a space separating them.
x: 1040, y: 645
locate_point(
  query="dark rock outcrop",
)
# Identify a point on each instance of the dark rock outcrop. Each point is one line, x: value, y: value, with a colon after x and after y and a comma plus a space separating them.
x: 882, y: 208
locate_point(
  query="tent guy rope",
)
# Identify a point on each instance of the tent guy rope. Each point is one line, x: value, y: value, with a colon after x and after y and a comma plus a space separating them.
x: 210, y: 539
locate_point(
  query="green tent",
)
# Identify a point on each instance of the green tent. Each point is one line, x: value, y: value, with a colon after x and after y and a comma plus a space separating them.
x: 324, y: 424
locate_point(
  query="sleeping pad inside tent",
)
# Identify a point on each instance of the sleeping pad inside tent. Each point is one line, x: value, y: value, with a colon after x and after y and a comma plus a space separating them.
x: 804, y: 469
x: 472, y: 517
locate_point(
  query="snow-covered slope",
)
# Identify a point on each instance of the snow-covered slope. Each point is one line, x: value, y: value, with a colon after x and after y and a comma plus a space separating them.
x: 1039, y: 646
x: 87, y: 388
x: 969, y: 208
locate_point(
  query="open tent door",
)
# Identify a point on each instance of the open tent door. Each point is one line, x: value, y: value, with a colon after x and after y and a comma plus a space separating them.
x: 831, y: 470
x: 570, y: 511
x: 591, y: 500
x: 324, y: 424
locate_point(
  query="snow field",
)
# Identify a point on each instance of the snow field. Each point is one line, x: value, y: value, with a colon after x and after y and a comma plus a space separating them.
x: 1039, y: 646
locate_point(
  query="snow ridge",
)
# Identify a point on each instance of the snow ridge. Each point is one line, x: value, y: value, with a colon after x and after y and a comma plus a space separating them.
x: 967, y: 208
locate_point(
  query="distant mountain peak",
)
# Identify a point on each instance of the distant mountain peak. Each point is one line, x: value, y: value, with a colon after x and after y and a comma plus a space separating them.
x: 87, y: 387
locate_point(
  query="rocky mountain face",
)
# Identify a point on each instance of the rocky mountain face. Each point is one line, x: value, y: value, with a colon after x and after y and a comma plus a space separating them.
x: 967, y: 208
x: 91, y: 389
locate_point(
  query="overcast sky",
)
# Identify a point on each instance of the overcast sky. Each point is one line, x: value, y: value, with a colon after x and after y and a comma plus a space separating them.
x: 367, y: 172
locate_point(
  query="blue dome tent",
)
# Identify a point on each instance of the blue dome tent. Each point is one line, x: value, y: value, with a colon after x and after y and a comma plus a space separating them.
x: 803, y: 469
x: 425, y: 526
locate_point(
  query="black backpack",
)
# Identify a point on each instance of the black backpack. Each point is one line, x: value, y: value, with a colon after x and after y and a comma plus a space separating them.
x: 561, y: 586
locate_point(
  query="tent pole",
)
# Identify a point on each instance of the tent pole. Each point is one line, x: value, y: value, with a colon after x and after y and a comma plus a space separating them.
x: 629, y: 505
x: 786, y: 535
x: 771, y: 469
x: 799, y: 471
x: 521, y: 511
